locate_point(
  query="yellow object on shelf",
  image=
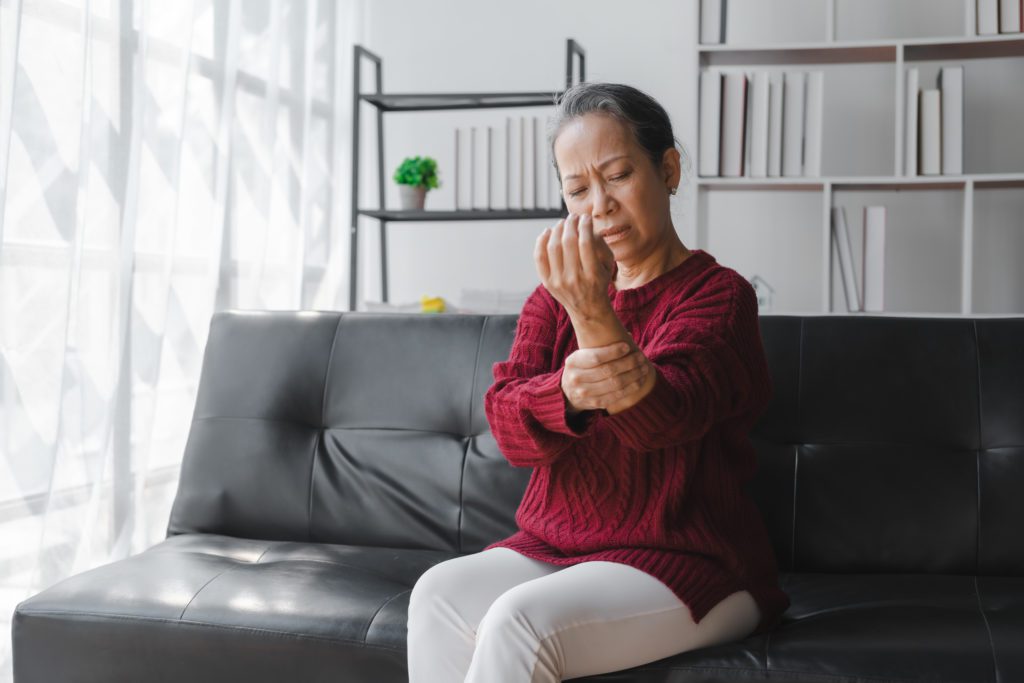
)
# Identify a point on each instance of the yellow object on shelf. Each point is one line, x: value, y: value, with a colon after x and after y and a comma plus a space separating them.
x: 431, y: 304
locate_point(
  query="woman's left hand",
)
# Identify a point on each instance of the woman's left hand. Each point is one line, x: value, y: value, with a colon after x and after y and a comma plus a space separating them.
x: 575, y: 266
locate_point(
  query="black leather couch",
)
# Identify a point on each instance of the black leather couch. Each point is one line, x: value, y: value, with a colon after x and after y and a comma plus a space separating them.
x: 333, y: 458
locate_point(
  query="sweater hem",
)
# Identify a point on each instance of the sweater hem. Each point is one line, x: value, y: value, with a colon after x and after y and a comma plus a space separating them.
x: 696, y: 580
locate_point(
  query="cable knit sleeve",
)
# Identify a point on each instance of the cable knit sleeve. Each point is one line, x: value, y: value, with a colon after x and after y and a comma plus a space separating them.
x: 525, y: 406
x: 708, y: 360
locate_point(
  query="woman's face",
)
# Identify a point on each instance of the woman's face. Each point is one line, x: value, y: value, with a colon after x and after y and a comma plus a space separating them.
x: 607, y: 174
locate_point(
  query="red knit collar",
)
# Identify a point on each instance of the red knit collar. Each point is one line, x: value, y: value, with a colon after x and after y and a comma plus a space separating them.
x: 638, y: 296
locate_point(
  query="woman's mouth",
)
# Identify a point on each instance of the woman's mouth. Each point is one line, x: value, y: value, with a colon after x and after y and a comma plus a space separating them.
x: 615, y: 234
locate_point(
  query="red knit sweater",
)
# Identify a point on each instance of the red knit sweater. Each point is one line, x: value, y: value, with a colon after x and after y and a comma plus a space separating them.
x: 659, y: 486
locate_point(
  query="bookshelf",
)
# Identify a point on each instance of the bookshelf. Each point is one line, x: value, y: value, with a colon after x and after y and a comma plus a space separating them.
x: 954, y: 243
x: 575, y: 61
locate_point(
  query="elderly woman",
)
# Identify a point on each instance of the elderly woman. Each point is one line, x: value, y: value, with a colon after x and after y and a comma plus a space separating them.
x: 633, y: 380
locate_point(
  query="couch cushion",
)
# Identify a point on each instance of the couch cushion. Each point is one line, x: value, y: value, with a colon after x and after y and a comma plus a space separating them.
x: 204, y: 607
x: 210, y: 607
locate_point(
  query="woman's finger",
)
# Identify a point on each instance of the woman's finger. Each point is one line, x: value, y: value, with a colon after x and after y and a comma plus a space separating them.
x: 571, y: 249
x: 588, y: 258
x: 554, y: 248
x: 540, y: 255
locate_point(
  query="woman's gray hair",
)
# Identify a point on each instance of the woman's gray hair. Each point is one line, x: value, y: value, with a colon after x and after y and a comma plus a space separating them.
x: 640, y: 113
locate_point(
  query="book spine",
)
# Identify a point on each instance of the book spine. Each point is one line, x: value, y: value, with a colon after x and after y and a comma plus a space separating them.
x: 1009, y: 16
x: 792, y: 123
x: 987, y: 19
x: 711, y: 21
x: 874, y: 258
x: 841, y: 235
x: 775, y: 127
x: 931, y: 137
x: 951, y: 84
x: 910, y: 123
x: 710, y: 122
x: 733, y: 107
x: 759, y: 128
x: 813, y: 123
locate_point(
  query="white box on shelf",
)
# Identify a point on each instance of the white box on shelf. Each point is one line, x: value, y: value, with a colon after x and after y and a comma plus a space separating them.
x: 874, y: 258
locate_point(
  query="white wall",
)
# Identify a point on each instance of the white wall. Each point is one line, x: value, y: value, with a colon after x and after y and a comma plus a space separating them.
x: 489, y: 46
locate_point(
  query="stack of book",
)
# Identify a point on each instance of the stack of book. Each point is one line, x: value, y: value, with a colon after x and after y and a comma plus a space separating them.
x: 761, y: 124
x: 505, y: 167
x: 934, y: 124
x: 999, y: 16
x: 869, y: 296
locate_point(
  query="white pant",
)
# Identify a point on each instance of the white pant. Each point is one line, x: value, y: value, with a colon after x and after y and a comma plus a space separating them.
x: 497, y: 616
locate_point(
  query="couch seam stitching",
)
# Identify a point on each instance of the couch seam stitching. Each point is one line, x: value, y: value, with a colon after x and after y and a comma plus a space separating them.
x: 988, y: 629
x: 320, y: 430
x: 384, y: 604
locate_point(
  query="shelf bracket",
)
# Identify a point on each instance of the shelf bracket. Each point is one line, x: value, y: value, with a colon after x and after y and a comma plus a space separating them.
x: 574, y: 48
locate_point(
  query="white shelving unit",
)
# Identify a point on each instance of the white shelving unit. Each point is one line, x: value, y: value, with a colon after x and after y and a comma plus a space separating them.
x: 955, y: 243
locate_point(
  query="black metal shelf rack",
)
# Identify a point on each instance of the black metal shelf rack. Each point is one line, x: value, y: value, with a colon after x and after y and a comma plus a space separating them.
x: 385, y: 102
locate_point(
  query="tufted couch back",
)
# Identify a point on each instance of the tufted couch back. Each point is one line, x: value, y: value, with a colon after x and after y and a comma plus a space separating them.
x: 891, y: 444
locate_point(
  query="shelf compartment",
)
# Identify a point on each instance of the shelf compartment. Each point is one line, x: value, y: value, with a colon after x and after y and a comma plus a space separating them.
x: 437, y: 101
x: 923, y: 246
x: 997, y: 284
x: 783, y: 245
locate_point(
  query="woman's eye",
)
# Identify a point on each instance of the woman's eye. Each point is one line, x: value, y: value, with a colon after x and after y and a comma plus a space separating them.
x: 621, y: 176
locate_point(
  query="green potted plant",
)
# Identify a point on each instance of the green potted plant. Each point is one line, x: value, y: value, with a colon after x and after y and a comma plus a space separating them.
x: 415, y: 175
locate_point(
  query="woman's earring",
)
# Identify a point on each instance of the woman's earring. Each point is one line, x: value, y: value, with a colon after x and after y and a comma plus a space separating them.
x: 671, y: 190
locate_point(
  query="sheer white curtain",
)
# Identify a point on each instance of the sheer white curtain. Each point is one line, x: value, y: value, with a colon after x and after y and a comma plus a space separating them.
x: 159, y: 161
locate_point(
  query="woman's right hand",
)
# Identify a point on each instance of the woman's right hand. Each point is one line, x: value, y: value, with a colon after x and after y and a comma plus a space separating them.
x: 598, y: 377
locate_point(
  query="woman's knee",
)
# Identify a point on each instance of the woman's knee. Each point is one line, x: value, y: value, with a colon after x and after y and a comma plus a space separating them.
x: 439, y: 581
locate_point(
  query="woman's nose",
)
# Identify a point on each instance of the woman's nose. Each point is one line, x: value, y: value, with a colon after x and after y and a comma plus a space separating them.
x: 601, y: 202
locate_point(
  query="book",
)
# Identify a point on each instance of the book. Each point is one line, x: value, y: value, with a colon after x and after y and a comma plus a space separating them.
x: 930, y: 134
x: 748, y: 122
x: 710, y: 122
x: 841, y: 239
x: 987, y: 17
x: 813, y: 106
x: 481, y: 167
x: 792, y: 123
x: 514, y: 177
x: 759, y: 128
x: 775, y: 126
x: 1009, y: 16
x: 712, y: 21
x: 463, y: 169
x: 951, y: 85
x: 874, y: 258
x: 529, y: 162
x: 910, y: 123
x: 540, y: 177
x: 499, y: 168
x: 734, y: 95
